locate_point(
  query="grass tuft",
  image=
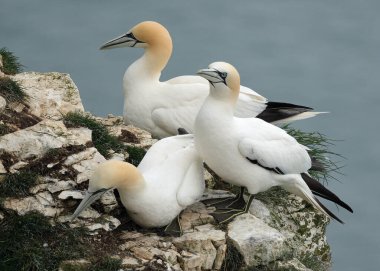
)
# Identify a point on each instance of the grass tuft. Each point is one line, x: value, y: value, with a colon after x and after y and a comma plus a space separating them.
x: 233, y: 260
x: 135, y: 155
x: 106, y: 264
x: 18, y: 184
x: 102, y: 139
x: 11, y: 64
x: 320, y: 146
x: 12, y: 91
x: 29, y: 242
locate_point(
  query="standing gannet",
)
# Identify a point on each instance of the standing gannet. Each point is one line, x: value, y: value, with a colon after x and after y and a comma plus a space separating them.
x: 162, y: 107
x: 249, y: 152
x: 169, y: 178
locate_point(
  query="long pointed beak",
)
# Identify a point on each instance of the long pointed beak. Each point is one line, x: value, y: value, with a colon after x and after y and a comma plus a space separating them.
x: 89, y: 198
x: 126, y: 40
x: 210, y: 74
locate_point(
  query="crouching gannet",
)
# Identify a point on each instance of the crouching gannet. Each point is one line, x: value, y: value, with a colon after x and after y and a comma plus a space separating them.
x: 162, y: 107
x: 250, y: 152
x: 169, y: 178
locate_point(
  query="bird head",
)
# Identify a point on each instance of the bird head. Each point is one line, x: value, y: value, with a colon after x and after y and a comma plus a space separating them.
x: 224, y: 80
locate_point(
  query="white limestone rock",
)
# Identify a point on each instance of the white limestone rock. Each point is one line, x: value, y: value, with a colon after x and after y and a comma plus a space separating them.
x: 35, y: 141
x: 29, y: 204
x: 84, y: 163
x: 2, y: 168
x: 256, y: 241
x: 71, y: 194
x: 3, y: 104
x: 203, y: 243
x: 52, y: 94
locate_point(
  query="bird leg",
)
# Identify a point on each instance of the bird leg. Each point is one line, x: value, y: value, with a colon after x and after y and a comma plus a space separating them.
x: 174, y: 228
x: 226, y: 215
x: 236, y: 202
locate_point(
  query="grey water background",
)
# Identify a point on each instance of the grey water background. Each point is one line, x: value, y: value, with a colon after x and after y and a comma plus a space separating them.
x: 324, y: 54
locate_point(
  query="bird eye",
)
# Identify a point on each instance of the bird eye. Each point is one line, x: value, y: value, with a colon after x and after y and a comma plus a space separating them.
x: 223, y: 74
x: 130, y: 35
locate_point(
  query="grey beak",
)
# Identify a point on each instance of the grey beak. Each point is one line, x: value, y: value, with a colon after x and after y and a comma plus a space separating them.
x: 211, y: 75
x: 89, y: 198
x: 126, y: 40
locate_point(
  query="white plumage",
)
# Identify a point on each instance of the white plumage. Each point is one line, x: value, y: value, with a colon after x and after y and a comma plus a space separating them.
x: 168, y: 179
x: 163, y: 107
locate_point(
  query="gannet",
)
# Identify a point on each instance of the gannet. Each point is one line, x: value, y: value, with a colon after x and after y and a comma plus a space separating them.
x: 249, y: 152
x: 169, y: 178
x: 162, y: 107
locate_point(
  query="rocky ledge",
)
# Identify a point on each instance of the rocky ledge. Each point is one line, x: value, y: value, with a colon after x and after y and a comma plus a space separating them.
x: 281, y: 232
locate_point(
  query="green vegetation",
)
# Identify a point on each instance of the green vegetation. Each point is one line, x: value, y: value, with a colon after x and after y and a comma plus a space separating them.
x: 101, y: 137
x: 30, y: 242
x: 17, y: 184
x: 135, y: 155
x: 233, y: 260
x: 319, y: 145
x: 106, y: 264
x: 11, y: 65
x: 12, y: 91
x: 313, y: 262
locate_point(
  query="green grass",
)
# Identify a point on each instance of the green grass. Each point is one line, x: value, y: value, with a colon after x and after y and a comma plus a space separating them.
x: 29, y: 242
x: 320, y: 146
x: 106, y: 264
x: 12, y: 91
x: 18, y: 184
x: 135, y: 155
x: 11, y: 64
x: 102, y: 139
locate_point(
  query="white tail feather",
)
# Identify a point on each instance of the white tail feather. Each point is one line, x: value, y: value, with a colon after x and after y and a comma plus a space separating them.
x: 304, y: 115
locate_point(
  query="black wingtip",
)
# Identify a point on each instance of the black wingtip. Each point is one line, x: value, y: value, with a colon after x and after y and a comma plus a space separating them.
x: 277, y: 111
x: 182, y: 131
x: 328, y: 211
x: 318, y: 189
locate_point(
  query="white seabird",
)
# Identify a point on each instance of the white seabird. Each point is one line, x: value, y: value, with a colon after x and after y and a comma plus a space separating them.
x: 169, y: 178
x: 162, y: 107
x: 249, y: 152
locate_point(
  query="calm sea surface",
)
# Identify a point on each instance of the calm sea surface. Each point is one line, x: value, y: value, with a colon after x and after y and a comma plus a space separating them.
x: 324, y: 54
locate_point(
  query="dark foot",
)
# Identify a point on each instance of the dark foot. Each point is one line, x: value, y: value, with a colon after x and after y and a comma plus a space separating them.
x: 236, y: 202
x: 222, y: 216
x: 174, y: 228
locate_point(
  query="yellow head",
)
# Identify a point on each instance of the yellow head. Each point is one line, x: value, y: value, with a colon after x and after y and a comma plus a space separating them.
x: 108, y: 176
x: 224, y: 80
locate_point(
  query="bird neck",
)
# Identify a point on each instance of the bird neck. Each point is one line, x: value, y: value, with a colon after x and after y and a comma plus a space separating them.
x: 153, y: 61
x: 128, y: 178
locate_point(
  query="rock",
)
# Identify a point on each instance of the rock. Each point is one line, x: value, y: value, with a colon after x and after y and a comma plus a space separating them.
x: 202, y: 243
x: 71, y: 194
x: 52, y: 94
x: 84, y: 163
x: 195, y: 215
x: 28, y: 204
x: 190, y: 261
x: 16, y: 167
x: 3, y: 104
x: 258, y: 243
x: 220, y: 255
x: 2, y: 168
x: 259, y: 210
x: 77, y: 265
x: 35, y: 141
x: 58, y: 186
x: 130, y: 262
x: 291, y: 265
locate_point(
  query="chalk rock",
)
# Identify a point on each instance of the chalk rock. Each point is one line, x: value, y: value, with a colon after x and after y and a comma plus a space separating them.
x: 291, y: 265
x: 195, y: 215
x: 3, y: 104
x: 35, y: 141
x: 256, y: 241
x: 2, y: 168
x: 71, y: 194
x: 203, y: 243
x: 28, y: 204
x: 52, y: 94
x: 259, y: 210
x: 130, y: 262
x: 84, y: 163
